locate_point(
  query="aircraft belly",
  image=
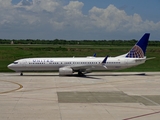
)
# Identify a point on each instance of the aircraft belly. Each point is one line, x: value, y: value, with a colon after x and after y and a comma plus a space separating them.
x: 40, y: 68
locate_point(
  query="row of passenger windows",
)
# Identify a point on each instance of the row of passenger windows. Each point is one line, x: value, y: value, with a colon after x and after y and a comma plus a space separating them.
x: 76, y: 63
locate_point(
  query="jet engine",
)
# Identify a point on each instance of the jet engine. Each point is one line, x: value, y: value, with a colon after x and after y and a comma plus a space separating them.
x: 65, y: 71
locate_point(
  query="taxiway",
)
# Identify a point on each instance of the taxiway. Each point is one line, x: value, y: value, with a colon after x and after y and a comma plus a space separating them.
x: 98, y: 96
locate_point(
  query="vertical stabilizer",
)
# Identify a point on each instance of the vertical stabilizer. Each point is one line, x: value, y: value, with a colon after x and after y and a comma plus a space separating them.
x: 139, y: 49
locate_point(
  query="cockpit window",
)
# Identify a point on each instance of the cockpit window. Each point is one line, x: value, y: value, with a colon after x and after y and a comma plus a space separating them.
x: 15, y: 62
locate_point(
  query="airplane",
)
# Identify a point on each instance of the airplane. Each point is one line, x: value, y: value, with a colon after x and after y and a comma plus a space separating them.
x: 82, y: 65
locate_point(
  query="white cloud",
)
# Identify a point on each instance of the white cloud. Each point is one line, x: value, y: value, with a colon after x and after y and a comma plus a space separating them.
x: 39, y: 5
x: 52, y: 15
x: 73, y: 15
x: 47, y: 5
x: 5, y: 3
x: 114, y: 19
x: 74, y: 6
x: 24, y: 3
x: 73, y: 10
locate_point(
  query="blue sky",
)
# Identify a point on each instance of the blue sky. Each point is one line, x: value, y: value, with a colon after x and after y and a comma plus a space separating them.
x: 79, y: 19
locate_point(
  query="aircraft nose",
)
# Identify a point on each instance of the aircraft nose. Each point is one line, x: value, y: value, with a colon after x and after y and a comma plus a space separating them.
x: 10, y: 66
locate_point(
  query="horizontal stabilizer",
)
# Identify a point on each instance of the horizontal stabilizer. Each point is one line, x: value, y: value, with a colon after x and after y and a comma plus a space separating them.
x: 150, y: 58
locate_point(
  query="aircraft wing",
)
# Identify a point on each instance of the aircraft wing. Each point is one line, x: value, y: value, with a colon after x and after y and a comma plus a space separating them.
x: 83, y: 68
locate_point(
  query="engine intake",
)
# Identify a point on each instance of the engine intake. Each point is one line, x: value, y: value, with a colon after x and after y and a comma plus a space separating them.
x: 65, y: 71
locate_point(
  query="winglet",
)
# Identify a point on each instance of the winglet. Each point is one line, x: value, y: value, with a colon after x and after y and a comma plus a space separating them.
x: 105, y: 59
x: 94, y: 55
x: 139, y: 49
x: 104, y: 62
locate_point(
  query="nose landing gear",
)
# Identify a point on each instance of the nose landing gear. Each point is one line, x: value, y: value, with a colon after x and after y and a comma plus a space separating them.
x: 21, y: 74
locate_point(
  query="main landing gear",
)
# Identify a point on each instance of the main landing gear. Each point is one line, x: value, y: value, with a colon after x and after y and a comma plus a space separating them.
x: 80, y: 73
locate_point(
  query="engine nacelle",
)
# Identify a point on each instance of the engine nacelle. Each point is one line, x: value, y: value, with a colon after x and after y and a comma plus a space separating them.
x: 65, y: 71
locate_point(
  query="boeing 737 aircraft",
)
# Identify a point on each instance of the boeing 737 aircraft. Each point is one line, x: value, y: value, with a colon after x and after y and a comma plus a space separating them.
x: 82, y: 65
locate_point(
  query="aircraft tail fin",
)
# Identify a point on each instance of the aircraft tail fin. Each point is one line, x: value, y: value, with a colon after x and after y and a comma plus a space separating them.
x: 139, y: 49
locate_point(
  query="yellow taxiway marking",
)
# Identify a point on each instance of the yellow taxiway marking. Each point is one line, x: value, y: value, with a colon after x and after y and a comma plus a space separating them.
x: 20, y: 87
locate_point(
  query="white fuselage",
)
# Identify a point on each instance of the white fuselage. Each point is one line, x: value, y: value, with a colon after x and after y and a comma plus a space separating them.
x: 76, y: 63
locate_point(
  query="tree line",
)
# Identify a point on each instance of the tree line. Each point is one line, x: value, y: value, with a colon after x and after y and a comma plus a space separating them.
x: 76, y: 42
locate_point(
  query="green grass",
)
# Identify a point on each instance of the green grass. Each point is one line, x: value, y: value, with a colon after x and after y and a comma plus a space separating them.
x: 9, y: 53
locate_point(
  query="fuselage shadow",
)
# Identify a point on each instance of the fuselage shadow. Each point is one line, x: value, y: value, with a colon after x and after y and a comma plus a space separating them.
x: 90, y: 76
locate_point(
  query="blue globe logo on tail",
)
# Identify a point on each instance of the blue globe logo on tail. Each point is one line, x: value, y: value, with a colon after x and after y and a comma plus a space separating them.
x: 139, y: 49
x: 135, y: 52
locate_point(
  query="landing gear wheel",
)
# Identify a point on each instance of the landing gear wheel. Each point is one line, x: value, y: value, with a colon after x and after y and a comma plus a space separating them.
x: 80, y: 73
